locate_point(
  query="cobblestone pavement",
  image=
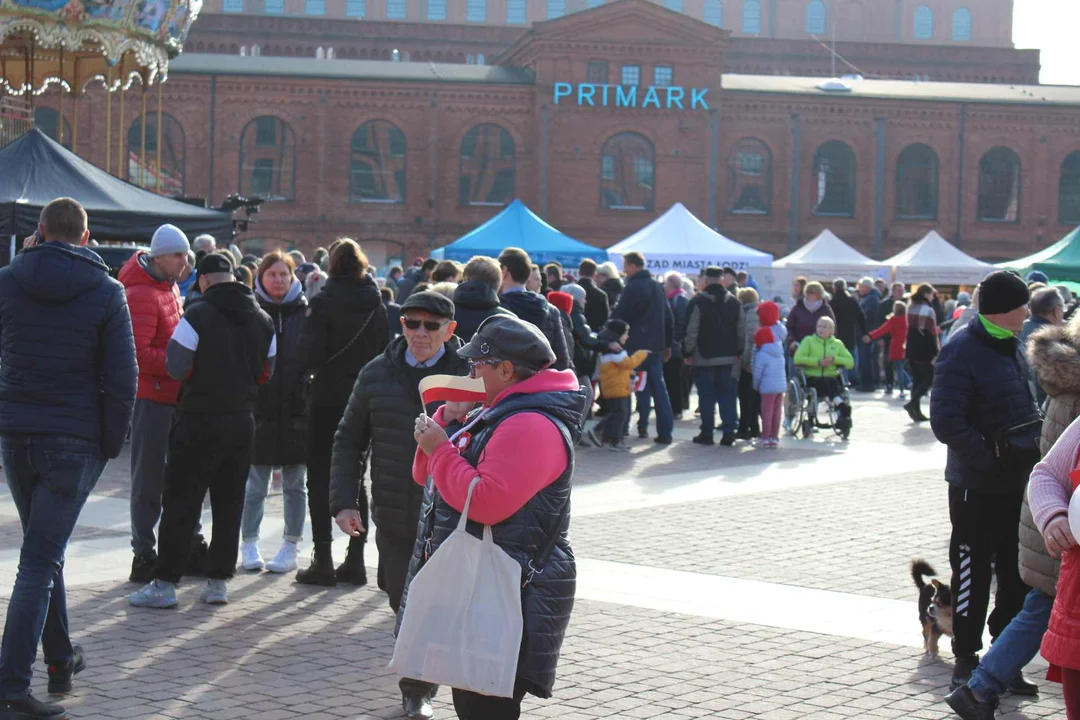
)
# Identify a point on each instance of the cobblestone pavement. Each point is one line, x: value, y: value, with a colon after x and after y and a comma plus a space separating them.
x: 816, y: 529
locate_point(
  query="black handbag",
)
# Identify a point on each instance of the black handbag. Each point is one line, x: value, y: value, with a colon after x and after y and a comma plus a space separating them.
x: 1019, y: 439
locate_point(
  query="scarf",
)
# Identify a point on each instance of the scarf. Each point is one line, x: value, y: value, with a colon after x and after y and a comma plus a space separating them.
x: 813, y: 305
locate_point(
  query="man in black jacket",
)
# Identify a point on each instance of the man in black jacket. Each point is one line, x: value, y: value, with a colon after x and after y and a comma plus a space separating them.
x: 477, y: 297
x: 531, y: 306
x: 380, y: 420
x: 982, y: 408
x: 850, y: 318
x: 597, y: 307
x: 223, y: 349
x: 68, y: 375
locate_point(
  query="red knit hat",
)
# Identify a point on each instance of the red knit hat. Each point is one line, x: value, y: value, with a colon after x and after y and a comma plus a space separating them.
x: 561, y: 300
x: 768, y: 313
x: 764, y: 336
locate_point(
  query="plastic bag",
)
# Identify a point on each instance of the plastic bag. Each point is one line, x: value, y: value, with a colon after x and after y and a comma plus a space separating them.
x: 462, y: 624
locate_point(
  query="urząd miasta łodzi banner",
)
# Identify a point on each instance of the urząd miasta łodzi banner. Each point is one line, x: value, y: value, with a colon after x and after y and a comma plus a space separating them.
x: 631, y: 96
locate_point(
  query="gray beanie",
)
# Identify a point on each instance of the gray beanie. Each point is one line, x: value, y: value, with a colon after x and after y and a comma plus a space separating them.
x: 575, y: 291
x: 169, y: 239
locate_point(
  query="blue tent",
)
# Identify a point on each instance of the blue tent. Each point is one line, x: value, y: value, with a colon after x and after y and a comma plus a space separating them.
x: 517, y: 226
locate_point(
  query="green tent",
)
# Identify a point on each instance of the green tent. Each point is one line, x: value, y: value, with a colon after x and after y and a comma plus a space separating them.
x: 1060, y: 261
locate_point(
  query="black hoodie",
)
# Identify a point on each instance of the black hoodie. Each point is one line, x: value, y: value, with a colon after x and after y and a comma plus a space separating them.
x: 533, y: 307
x: 475, y: 302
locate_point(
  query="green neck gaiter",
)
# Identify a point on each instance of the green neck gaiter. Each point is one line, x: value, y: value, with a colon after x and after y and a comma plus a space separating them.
x: 996, y: 331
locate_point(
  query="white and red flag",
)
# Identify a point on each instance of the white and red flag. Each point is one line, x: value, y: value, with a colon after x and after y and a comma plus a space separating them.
x: 452, y: 388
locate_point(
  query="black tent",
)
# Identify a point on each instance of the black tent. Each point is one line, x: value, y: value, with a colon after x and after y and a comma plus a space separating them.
x: 34, y: 170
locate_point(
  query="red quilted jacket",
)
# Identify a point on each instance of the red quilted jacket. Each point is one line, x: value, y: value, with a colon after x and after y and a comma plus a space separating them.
x: 155, y: 313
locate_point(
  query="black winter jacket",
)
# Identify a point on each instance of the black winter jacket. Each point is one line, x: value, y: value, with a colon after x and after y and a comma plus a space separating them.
x: 597, y: 304
x: 67, y: 353
x: 850, y: 320
x: 981, y: 387
x: 281, y: 412
x: 534, y: 308
x: 586, y: 344
x: 613, y: 288
x: 475, y: 302
x: 378, y: 423
x: 335, y: 317
x: 644, y: 306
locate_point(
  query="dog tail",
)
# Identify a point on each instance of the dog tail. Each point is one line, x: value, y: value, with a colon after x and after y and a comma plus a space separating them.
x: 919, y: 570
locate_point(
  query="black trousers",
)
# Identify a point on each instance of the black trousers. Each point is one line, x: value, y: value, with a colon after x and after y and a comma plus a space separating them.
x: 922, y: 378
x: 473, y: 706
x: 322, y: 424
x: 749, y: 405
x: 395, y: 554
x: 985, y: 530
x: 206, y: 452
x: 677, y: 379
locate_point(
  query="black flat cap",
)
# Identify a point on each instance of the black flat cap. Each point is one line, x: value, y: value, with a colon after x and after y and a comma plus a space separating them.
x: 213, y: 263
x: 714, y: 272
x: 430, y: 302
x: 507, y: 338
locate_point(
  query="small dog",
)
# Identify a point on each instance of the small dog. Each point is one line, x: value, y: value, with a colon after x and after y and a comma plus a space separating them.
x: 935, y: 606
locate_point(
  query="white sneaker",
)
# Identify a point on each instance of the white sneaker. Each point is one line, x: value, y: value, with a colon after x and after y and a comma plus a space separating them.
x: 285, y: 560
x: 250, y: 557
x: 215, y: 592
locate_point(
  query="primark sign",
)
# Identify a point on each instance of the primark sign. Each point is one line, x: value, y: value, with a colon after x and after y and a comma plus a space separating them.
x: 631, y: 96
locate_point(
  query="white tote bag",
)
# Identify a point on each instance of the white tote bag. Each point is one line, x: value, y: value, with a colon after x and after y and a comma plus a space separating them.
x: 462, y: 624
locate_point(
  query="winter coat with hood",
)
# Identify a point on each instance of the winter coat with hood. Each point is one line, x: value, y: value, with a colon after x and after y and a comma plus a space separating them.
x: 155, y: 312
x: 332, y: 345
x: 895, y: 328
x: 67, y: 352
x: 475, y: 302
x: 802, y: 323
x: 281, y: 411
x: 715, y: 329
x: 644, y: 306
x: 813, y: 349
x: 533, y: 307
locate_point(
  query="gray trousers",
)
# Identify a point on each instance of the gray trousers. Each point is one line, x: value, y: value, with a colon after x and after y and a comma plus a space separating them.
x: 150, y: 428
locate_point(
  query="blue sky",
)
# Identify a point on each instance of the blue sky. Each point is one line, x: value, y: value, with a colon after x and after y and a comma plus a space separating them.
x: 1050, y: 25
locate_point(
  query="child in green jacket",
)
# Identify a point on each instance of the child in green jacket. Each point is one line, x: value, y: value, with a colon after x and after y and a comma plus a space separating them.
x: 821, y: 356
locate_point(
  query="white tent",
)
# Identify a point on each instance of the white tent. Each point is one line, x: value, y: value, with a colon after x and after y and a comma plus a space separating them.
x: 934, y: 260
x: 679, y: 241
x: 827, y: 257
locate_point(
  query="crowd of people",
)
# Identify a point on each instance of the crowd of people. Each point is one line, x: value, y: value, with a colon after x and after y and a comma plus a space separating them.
x: 229, y: 368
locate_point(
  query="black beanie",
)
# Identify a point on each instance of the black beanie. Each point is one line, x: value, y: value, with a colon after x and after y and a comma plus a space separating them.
x: 1001, y: 292
x: 618, y: 327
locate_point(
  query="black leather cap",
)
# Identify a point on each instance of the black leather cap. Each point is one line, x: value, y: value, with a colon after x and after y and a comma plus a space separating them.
x: 213, y: 263
x: 430, y: 302
x: 501, y: 337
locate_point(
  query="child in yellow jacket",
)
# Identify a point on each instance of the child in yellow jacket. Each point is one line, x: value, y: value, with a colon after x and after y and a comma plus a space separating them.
x: 615, y: 386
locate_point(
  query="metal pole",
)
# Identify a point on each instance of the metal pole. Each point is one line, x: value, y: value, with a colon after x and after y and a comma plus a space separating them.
x: 60, y: 119
x: 121, y: 161
x: 142, y: 149
x: 714, y: 161
x: 796, y: 176
x: 879, y: 187
x: 74, y: 123
x: 108, y: 123
x: 544, y: 161
x: 157, y: 182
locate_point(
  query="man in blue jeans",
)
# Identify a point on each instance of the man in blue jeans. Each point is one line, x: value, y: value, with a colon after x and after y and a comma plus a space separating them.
x: 644, y: 307
x: 68, y: 375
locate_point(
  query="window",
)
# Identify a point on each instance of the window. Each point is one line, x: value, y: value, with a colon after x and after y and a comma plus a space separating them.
x: 924, y: 23
x: 815, y: 17
x: 555, y: 9
x: 598, y: 72
x: 396, y: 9
x: 356, y: 8
x: 714, y: 12
x: 487, y: 166
x: 917, y: 184
x: 631, y: 75
x: 274, y: 7
x: 268, y: 159
x: 436, y: 10
x: 961, y: 25
x: 1069, y: 191
x: 749, y: 180
x: 314, y: 7
x: 999, y: 186
x: 593, y: 3
x: 833, y: 184
x: 476, y: 11
x: 676, y: 5
x: 751, y: 17
x: 48, y: 121
x: 663, y: 76
x: 377, y: 163
x: 515, y: 12
x: 170, y: 176
x: 627, y: 173
x: 480, y: 58
x: 233, y: 6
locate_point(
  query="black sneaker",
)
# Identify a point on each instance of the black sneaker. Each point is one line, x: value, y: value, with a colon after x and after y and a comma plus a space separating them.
x: 29, y: 707
x: 964, y: 704
x: 643, y: 433
x: 662, y: 440
x: 60, y: 675
x: 703, y: 439
x: 727, y: 440
x: 1020, y: 685
x: 142, y: 568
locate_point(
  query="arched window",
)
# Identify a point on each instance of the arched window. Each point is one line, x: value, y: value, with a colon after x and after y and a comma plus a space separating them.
x: 999, y: 186
x: 714, y: 12
x: 170, y: 176
x: 924, y: 23
x: 917, y: 183
x: 961, y: 25
x: 48, y: 120
x: 377, y: 163
x: 627, y: 173
x: 833, y: 184
x: 487, y: 166
x: 1069, y: 190
x: 815, y: 17
x: 751, y: 17
x: 268, y: 159
x: 749, y: 178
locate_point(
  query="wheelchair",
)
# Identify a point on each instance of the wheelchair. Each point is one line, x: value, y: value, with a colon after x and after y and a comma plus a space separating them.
x: 801, y: 414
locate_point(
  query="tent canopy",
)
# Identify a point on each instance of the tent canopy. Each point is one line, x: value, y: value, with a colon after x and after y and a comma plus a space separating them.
x: 677, y: 240
x: 827, y: 257
x: 934, y: 260
x: 1060, y: 261
x: 36, y: 170
x: 518, y: 226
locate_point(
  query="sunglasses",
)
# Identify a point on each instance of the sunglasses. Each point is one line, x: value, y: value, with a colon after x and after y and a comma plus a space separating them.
x: 429, y: 325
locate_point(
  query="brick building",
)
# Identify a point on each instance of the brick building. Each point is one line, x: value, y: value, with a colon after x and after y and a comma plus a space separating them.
x: 600, y: 120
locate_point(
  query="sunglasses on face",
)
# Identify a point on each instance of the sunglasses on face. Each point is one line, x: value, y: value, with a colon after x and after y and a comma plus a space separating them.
x: 429, y: 325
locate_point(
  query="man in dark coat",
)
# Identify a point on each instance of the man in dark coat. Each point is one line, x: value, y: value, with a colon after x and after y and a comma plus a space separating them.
x: 477, y: 297
x: 597, y: 305
x: 68, y: 377
x: 983, y: 409
x: 715, y: 339
x: 866, y: 362
x: 531, y: 306
x: 378, y: 423
x: 850, y: 318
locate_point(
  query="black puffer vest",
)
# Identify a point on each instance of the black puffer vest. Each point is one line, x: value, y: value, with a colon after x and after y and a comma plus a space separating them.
x: 547, y: 595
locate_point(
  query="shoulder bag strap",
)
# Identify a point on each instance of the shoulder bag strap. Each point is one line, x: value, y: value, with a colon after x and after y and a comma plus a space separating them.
x: 347, y: 345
